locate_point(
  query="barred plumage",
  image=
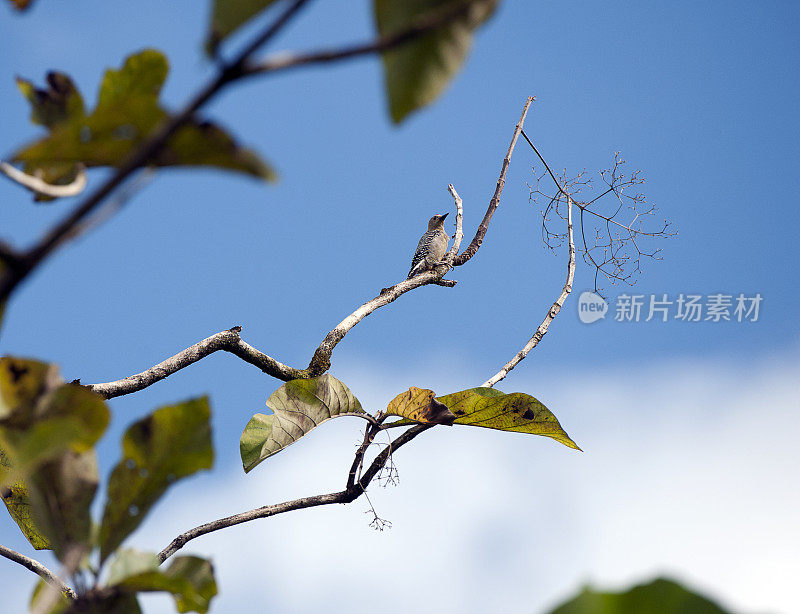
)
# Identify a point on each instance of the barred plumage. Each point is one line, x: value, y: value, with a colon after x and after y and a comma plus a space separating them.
x: 431, y: 248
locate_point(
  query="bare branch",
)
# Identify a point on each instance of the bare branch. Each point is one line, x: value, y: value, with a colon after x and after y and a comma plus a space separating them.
x: 495, y: 202
x: 321, y: 361
x: 459, y: 236
x: 343, y: 496
x: 551, y: 314
x: 37, y: 568
x: 39, y: 186
x: 227, y: 340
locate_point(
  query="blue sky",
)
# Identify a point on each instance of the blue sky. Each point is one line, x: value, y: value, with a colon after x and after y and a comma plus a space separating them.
x: 702, y: 98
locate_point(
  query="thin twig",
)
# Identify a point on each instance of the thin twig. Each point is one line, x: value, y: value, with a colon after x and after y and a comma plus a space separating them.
x: 226, y: 340
x: 459, y: 236
x: 495, y: 202
x: 37, y: 568
x: 39, y: 186
x: 551, y: 313
x: 343, y: 496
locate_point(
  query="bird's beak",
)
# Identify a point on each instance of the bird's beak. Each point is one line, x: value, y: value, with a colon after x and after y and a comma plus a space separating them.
x: 445, y: 215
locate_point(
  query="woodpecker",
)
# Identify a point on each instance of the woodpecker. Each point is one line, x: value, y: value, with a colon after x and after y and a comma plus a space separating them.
x: 431, y: 247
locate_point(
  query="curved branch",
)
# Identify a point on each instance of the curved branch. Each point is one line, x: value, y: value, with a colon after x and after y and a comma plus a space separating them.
x: 37, y: 568
x: 39, y: 186
x: 321, y: 361
x: 495, y: 202
x: 227, y: 340
x: 551, y: 313
x: 348, y: 495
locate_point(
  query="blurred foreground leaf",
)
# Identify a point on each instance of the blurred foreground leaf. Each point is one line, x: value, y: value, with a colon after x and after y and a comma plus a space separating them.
x: 171, y: 443
x: 49, y: 472
x: 228, y: 16
x: 417, y: 72
x: 40, y: 416
x: 298, y: 406
x: 18, y: 503
x: 661, y: 596
x: 126, y: 114
x: 189, y: 579
x: 61, y: 492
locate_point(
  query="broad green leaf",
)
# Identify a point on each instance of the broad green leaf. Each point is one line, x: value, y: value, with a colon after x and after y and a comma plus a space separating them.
x: 171, y: 443
x: 517, y: 412
x: 61, y: 491
x: 420, y: 405
x: 228, y: 16
x: 417, y: 72
x: 128, y: 562
x: 297, y: 407
x: 127, y: 112
x: 18, y: 503
x: 661, y: 596
x: 47, y: 431
x: 190, y: 579
x: 40, y: 416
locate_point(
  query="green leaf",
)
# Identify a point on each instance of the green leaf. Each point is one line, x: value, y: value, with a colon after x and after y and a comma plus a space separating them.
x: 61, y: 493
x: 47, y: 433
x: 517, y: 412
x: 298, y: 406
x: 661, y: 596
x: 171, y: 443
x: 57, y: 104
x: 60, y: 102
x: 18, y: 503
x: 40, y: 417
x: 129, y: 562
x: 228, y: 16
x: 127, y: 112
x: 190, y: 579
x: 22, y: 383
x: 420, y: 405
x: 417, y: 72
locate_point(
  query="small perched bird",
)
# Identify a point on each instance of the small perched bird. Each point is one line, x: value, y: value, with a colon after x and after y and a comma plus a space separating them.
x: 431, y: 248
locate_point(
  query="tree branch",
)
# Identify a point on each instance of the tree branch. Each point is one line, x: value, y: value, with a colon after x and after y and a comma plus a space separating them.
x: 343, y: 496
x: 39, y: 186
x: 495, y: 202
x: 429, y: 21
x: 37, y: 568
x: 230, y: 341
x: 52, y: 239
x: 551, y: 313
x: 226, y: 340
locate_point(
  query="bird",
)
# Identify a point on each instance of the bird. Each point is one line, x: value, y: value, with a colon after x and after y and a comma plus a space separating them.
x: 431, y: 247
